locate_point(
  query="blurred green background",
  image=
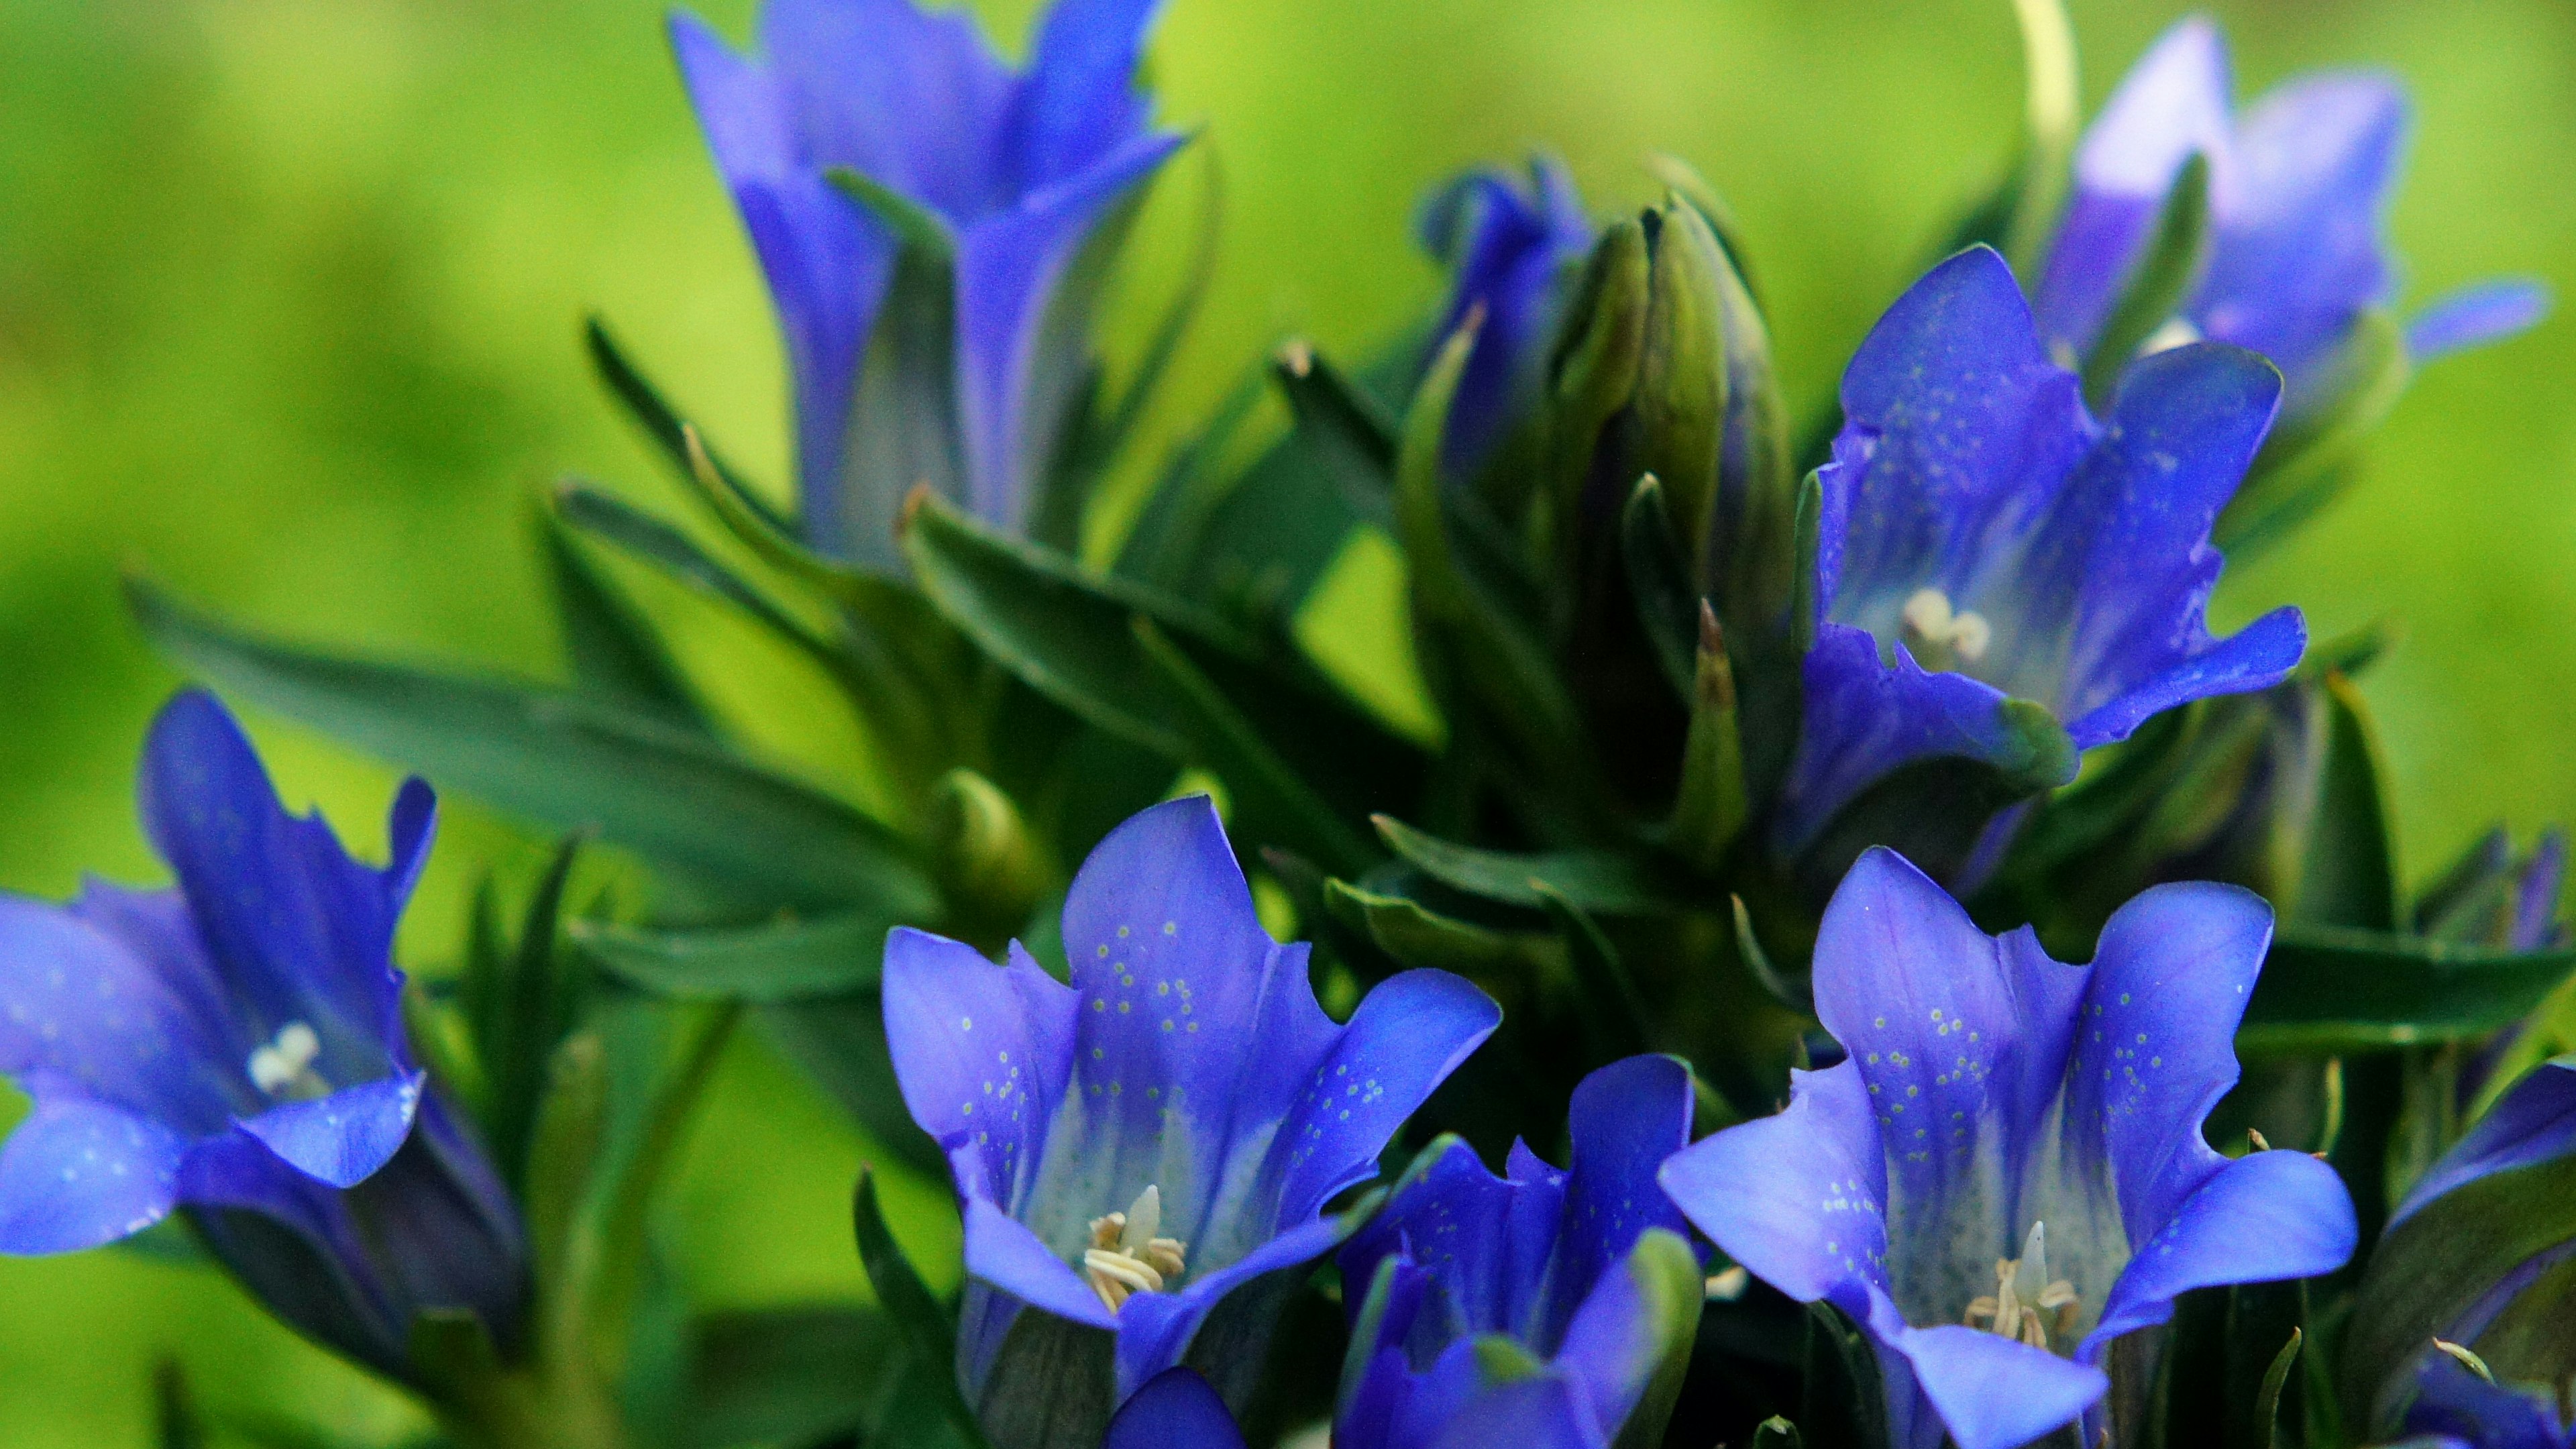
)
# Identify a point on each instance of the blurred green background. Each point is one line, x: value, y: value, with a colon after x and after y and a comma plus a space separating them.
x: 289, y: 292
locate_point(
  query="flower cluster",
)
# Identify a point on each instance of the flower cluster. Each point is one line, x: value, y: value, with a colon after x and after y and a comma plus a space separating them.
x: 1767, y: 787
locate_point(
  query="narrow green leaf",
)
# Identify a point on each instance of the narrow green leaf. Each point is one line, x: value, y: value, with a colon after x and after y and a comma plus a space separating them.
x: 1344, y: 421
x: 656, y: 542
x: 762, y: 965
x: 2161, y: 284
x: 2051, y: 116
x: 573, y: 763
x: 2348, y: 870
x: 1597, y: 881
x: 176, y: 1423
x: 1616, y: 1018
x: 927, y: 1331
x: 2267, y: 1404
x: 2327, y: 989
x: 1594, y: 371
x: 1414, y: 935
x: 1661, y: 583
x: 1806, y: 532
x: 571, y: 1131
x: 663, y: 423
x: 614, y: 650
x: 797, y: 1375
x: 913, y: 224
x: 2312, y: 457
x: 519, y: 1010
x: 1797, y: 992
x: 1710, y: 806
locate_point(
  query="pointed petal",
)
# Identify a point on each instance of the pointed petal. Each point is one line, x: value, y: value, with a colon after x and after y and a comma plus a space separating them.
x: 2256, y: 657
x: 1625, y: 1120
x: 2468, y: 1411
x: 2475, y: 316
x: 2127, y: 545
x: 1154, y: 1329
x: 1022, y: 320
x: 1515, y: 246
x: 1535, y: 1413
x: 2266, y: 1217
x: 2535, y: 1121
x: 912, y: 98
x: 126, y: 1020
x: 1174, y: 1410
x: 77, y: 1173
x: 1079, y: 100
x: 343, y: 1138
x: 2174, y: 101
x: 1958, y: 431
x: 1995, y: 1393
x: 982, y: 1053
x: 1485, y: 1241
x: 1008, y: 1256
x: 826, y: 261
x: 295, y: 926
x: 2299, y: 248
x: 1639, y: 1313
x: 2155, y: 1048
x: 1798, y: 1198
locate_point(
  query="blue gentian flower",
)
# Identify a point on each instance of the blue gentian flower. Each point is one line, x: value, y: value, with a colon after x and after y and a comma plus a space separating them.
x: 2007, y: 1173
x: 2533, y: 1122
x: 1458, y: 1256
x: 1168, y: 1129
x: 2458, y: 1409
x: 1023, y: 171
x: 1510, y: 246
x: 1983, y: 537
x: 234, y: 1045
x: 2299, y: 192
x: 1174, y: 1410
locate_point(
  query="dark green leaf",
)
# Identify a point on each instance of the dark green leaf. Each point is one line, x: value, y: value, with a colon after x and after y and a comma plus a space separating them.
x: 2348, y: 873
x: 2326, y: 989
x: 796, y: 1375
x: 786, y: 961
x: 1843, y: 1405
x: 839, y: 1042
x: 1710, y: 806
x: 655, y: 541
x: 1346, y: 427
x: 1597, y: 881
x: 2160, y: 286
x: 573, y: 763
x: 1777, y: 1433
x: 1660, y: 581
x: 1414, y: 935
x: 519, y: 1004
x: 175, y: 1420
x: 1616, y: 1019
x: 929, y: 1335
x: 662, y: 422
x: 613, y: 648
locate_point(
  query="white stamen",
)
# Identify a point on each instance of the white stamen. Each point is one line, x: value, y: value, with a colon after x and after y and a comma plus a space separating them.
x: 287, y: 1062
x: 2177, y: 332
x: 1935, y: 629
x: 2027, y: 1304
x: 1127, y: 1255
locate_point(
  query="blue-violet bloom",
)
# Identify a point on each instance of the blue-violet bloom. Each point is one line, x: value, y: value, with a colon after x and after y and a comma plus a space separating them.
x: 234, y: 1046
x: 965, y: 381
x: 1170, y: 1127
x: 1983, y: 538
x: 1511, y: 247
x: 2007, y: 1173
x: 1174, y: 1410
x: 2458, y: 1409
x: 2299, y: 191
x: 1540, y: 1257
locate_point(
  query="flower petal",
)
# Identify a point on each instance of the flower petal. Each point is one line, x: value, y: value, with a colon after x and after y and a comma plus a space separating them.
x: 1995, y: 1393
x: 2476, y: 315
x: 1155, y: 1329
x: 2535, y: 1121
x: 1008, y: 1256
x: 77, y: 1173
x: 827, y: 263
x: 2452, y: 1402
x: 2255, y: 657
x: 913, y: 98
x: 1797, y: 1198
x: 1174, y: 1410
x: 1079, y: 100
x: 2266, y: 1217
x: 343, y: 1138
x: 297, y: 929
x: 125, y: 1009
x: 1625, y: 1121
x: 1486, y: 1241
x: 2155, y: 1047
x: 982, y: 1053
x: 1508, y: 246
x: 1021, y: 336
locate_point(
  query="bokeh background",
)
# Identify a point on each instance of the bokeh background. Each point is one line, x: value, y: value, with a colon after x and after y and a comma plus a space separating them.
x: 289, y: 296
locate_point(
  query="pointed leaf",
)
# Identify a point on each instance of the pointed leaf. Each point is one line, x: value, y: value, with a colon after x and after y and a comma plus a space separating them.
x: 786, y: 961
x: 613, y: 649
x: 1597, y: 881
x: 2328, y: 989
x: 2162, y: 283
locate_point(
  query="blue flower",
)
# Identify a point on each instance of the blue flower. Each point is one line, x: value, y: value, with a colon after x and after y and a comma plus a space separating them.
x: 1510, y: 246
x: 2008, y: 1172
x: 2299, y: 190
x: 2455, y: 1407
x: 1174, y: 1410
x: 1458, y: 1257
x: 2533, y: 1122
x: 235, y: 1045
x: 898, y: 382
x: 1984, y: 539
x: 1165, y: 1131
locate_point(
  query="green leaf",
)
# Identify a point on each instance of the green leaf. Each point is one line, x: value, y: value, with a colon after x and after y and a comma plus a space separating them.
x: 2348, y: 870
x: 839, y: 1042
x: 1666, y: 1274
x: 1710, y: 806
x: 798, y: 1375
x: 1616, y: 1019
x: 569, y: 1134
x: 663, y: 423
x: 2431, y: 1270
x: 2162, y: 283
x: 679, y: 800
x: 2312, y: 458
x: 913, y: 224
x: 176, y: 1423
x: 927, y: 1332
x: 2051, y: 114
x: 1344, y: 426
x: 1679, y: 407
x: 613, y: 648
x: 1660, y: 582
x: 1594, y: 371
x: 762, y: 965
x: 1102, y: 440
x: 1503, y: 963
x: 1797, y: 993
x: 2328, y: 989
x: 2276, y: 1381
x: 1842, y: 1405
x: 518, y: 1005
x: 1777, y: 1433
x: 1597, y: 881
x: 656, y: 542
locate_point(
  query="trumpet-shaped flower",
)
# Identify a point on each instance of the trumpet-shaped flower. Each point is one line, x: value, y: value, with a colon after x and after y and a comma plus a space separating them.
x: 1459, y: 1258
x: 963, y: 381
x: 235, y: 1045
x: 1983, y: 540
x: 1166, y: 1131
x: 2007, y: 1173
x: 2299, y: 186
x: 1510, y: 245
